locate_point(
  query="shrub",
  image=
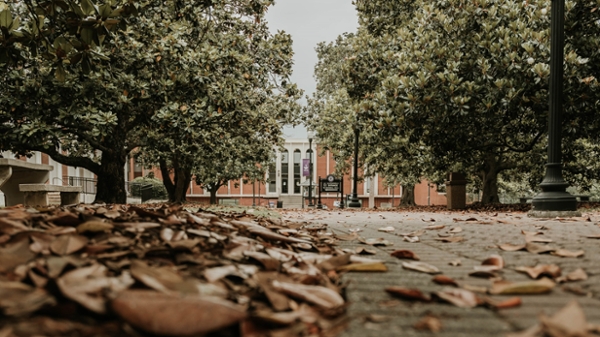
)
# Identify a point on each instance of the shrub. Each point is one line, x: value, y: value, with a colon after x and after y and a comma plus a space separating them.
x: 158, y: 189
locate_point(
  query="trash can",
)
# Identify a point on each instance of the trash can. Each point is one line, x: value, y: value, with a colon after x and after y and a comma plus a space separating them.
x: 279, y: 204
x: 456, y: 191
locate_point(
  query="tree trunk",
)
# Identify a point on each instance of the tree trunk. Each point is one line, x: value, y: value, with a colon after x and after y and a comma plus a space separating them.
x: 178, y: 186
x: 110, y: 188
x: 166, y: 176
x: 213, y: 193
x: 408, y: 195
x: 489, y: 176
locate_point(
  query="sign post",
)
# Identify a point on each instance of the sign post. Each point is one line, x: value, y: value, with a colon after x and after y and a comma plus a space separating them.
x: 331, y: 184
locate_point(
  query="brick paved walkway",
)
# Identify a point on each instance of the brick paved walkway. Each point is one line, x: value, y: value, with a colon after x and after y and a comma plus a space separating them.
x: 373, y: 312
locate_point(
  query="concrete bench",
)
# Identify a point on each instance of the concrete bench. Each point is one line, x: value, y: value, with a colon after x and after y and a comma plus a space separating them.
x: 37, y: 194
x: 229, y: 202
x: 14, y: 172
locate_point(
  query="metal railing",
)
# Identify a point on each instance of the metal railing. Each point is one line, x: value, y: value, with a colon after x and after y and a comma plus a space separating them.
x: 144, y: 191
x: 88, y: 184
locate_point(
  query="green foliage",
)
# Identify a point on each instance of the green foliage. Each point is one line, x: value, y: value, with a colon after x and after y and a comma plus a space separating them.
x: 441, y: 86
x: 158, y: 188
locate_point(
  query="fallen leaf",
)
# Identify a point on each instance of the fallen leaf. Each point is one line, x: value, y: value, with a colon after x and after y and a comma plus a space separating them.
x: 175, y: 315
x: 435, y: 227
x: 367, y: 267
x: 362, y: 250
x: 502, y: 304
x: 568, y: 253
x: 495, y: 260
x: 429, y: 323
x: 94, y: 226
x: 548, y: 270
x: 455, y: 263
x: 408, y: 294
x: 68, y: 244
x: 421, y: 266
x: 545, y: 285
x: 569, y: 321
x: 451, y: 239
x: 444, y: 280
x: 14, y: 254
x: 456, y: 230
x: 388, y: 229
x: 318, y: 295
x: 461, y: 298
x: 412, y: 239
x: 538, y: 249
x: 576, y: 275
x: 376, y: 242
x: 511, y: 248
x: 405, y: 254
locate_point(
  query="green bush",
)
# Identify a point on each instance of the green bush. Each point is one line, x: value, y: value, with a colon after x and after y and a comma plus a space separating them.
x: 160, y: 192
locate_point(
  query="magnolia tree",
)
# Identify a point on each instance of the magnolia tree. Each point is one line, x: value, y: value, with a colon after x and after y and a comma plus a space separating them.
x: 89, y: 82
x: 464, y: 86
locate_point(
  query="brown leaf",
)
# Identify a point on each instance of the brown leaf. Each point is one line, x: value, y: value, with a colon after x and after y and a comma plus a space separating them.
x: 366, y: 267
x: 266, y: 260
x: 163, y: 279
x: 18, y: 299
x: 568, y: 253
x: 375, y: 241
x: 544, y: 285
x: 569, y: 321
x: 85, y: 285
x: 268, y: 235
x: 279, y: 301
x: 172, y: 315
x: 405, y: 254
x: 576, y: 275
x: 456, y: 230
x: 435, y: 227
x: 455, y: 263
x: 421, y: 266
x: 451, y: 239
x: 365, y: 251
x: 461, y: 298
x: 538, y: 249
x: 408, y: 294
x: 503, y: 304
x: 412, y: 239
x: 94, y: 226
x: 494, y: 260
x: 549, y: 270
x: 68, y: 244
x: 318, y: 295
x: 14, y: 254
x: 444, y: 280
x: 511, y: 248
x: 429, y: 323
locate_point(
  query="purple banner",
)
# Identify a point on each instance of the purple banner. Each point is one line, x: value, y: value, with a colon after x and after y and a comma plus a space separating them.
x: 306, y: 167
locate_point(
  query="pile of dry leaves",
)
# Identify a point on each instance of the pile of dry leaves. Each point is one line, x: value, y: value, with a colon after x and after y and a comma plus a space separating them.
x: 129, y: 271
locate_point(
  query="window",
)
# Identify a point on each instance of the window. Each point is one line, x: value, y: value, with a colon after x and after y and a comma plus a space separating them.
x: 272, y: 177
x: 284, y: 172
x: 297, y: 171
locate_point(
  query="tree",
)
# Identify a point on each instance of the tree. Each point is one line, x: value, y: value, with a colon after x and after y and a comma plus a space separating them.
x: 88, y: 98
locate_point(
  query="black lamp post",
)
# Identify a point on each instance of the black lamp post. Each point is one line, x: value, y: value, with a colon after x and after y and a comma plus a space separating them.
x: 311, y: 135
x: 354, y: 202
x: 554, y: 196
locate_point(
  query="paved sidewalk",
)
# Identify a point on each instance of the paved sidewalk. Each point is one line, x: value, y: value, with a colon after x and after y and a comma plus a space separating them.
x: 373, y: 312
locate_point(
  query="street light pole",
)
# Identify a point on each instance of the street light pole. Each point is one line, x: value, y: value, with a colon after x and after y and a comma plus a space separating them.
x: 554, y: 196
x: 354, y: 202
x: 310, y: 172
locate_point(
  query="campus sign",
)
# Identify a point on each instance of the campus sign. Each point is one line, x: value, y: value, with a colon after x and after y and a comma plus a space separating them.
x: 331, y: 184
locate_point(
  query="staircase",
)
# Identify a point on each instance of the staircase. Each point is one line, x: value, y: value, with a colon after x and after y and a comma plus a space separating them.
x: 291, y: 201
x: 53, y: 198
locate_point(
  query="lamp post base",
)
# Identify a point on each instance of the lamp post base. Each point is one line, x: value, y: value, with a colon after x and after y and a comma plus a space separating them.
x: 551, y: 204
x: 354, y: 203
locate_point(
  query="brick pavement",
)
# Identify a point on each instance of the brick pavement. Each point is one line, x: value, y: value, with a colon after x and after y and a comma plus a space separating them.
x: 365, y: 291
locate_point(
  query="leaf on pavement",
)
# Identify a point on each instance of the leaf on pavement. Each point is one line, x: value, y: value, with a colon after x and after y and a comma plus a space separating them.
x: 162, y: 279
x: 508, y: 247
x: 461, y: 298
x: 376, y: 242
x: 444, y: 280
x: 14, y: 254
x: 451, y: 239
x: 19, y: 299
x: 548, y: 270
x: 545, y: 285
x: 321, y: 296
x: 502, y: 304
x: 568, y: 253
x: 365, y: 251
x: 367, y: 267
x: 538, y: 249
x: 411, y: 239
x: 569, y: 321
x: 576, y: 275
x: 405, y: 254
x: 408, y: 294
x: 173, y: 315
x: 456, y: 230
x: 495, y: 261
x: 68, y: 244
x: 388, y: 229
x: 435, y: 227
x: 421, y: 266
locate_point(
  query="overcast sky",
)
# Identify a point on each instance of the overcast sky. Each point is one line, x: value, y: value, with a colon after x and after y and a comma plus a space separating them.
x: 310, y: 22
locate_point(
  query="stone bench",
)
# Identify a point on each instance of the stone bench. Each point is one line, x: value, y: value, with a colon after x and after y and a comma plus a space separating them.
x: 229, y: 202
x: 37, y: 194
